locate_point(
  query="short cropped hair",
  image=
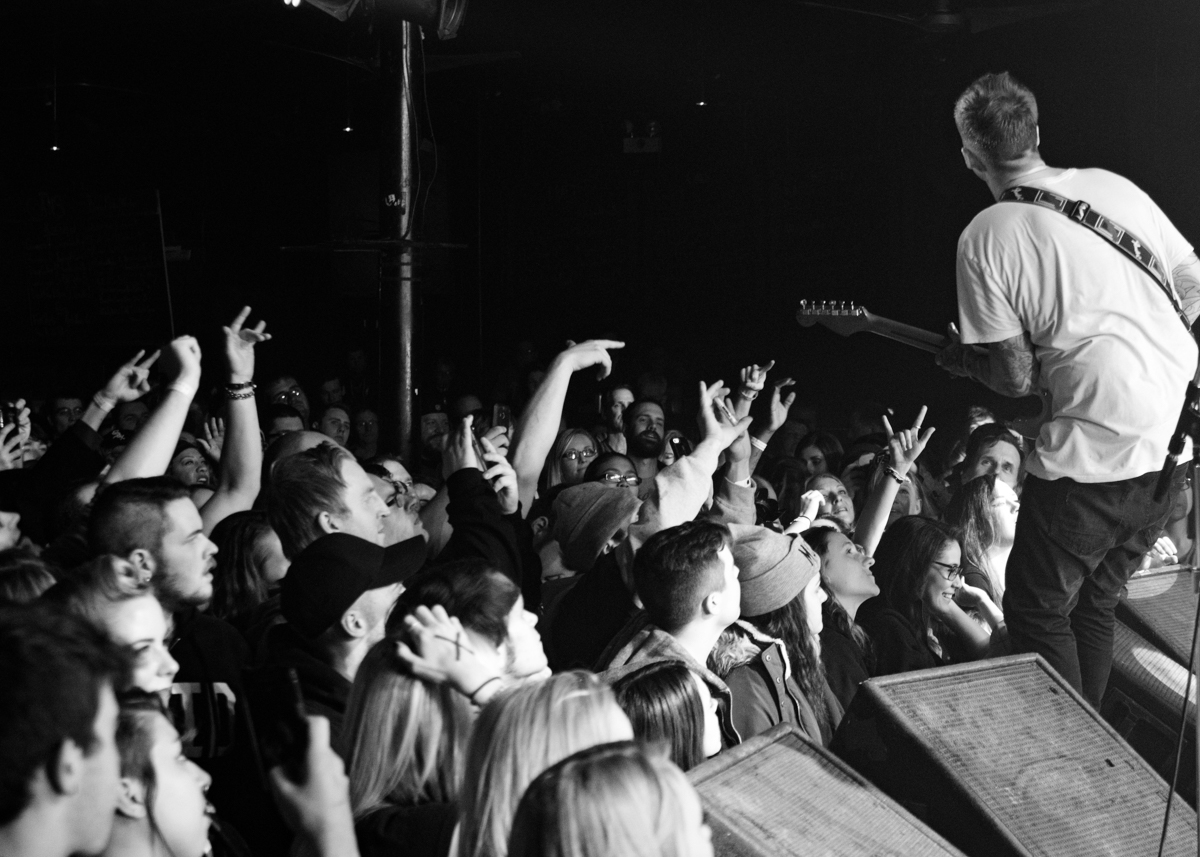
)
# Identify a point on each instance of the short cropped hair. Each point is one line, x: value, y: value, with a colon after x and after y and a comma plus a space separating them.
x: 471, y: 590
x: 677, y: 568
x: 53, y: 669
x: 998, y: 117
x: 131, y: 515
x: 302, y: 486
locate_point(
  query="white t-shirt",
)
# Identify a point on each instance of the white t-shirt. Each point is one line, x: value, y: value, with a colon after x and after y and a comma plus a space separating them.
x: 1114, y: 356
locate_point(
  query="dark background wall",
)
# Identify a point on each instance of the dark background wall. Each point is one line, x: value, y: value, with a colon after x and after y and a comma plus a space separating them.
x: 823, y: 164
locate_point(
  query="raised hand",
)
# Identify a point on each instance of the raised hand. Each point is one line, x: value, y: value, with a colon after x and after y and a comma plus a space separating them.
x: 213, y: 440
x: 593, y: 352
x: 186, y: 352
x: 459, y: 452
x: 779, y: 405
x: 502, y: 476
x: 12, y: 447
x: 754, y: 379
x: 24, y: 424
x: 239, y: 346
x: 319, y: 807
x: 712, y: 402
x: 907, y: 445
x: 444, y: 654
x: 498, y: 437
x: 131, y: 381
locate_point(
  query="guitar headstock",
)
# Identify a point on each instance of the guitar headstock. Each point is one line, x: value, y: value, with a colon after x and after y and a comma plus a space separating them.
x: 844, y: 317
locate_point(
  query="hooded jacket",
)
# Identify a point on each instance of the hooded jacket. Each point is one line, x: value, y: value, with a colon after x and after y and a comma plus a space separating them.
x: 756, y: 668
x: 640, y: 642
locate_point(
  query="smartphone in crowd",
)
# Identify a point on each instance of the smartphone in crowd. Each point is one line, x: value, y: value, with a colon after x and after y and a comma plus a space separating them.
x: 502, y: 416
x: 680, y: 446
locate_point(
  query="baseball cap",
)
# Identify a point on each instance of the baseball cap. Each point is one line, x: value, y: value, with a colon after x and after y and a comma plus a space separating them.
x: 331, y: 573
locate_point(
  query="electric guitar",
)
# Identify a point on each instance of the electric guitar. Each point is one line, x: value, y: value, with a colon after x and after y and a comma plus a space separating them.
x: 846, y: 318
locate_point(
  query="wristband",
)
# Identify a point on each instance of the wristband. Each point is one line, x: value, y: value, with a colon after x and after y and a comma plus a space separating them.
x: 748, y: 393
x: 183, y: 387
x: 892, y: 472
x: 471, y: 696
x: 249, y: 394
x: 103, y: 402
x: 810, y: 520
x: 243, y: 386
x: 240, y: 391
x: 758, y: 444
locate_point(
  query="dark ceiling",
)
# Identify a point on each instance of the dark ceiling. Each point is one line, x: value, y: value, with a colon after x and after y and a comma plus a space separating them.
x: 823, y: 163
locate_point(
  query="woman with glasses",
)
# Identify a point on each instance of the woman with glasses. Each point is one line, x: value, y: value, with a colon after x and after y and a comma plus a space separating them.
x: 920, y: 620
x: 572, y: 452
x: 613, y: 470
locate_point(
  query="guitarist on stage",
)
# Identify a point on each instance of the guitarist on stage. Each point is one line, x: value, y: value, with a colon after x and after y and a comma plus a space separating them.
x: 1060, y: 307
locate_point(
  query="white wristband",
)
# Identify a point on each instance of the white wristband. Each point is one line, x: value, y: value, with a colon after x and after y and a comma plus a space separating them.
x: 104, y: 403
x: 758, y: 444
x: 183, y: 387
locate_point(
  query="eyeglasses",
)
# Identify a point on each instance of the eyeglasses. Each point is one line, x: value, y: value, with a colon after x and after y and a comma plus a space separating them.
x: 952, y: 572
x: 619, y: 479
x: 402, y: 489
x: 579, y: 454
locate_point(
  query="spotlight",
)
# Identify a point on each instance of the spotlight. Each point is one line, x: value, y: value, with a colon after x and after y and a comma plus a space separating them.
x: 347, y: 129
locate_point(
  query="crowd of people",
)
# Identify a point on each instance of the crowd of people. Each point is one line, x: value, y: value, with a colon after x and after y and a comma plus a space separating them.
x: 235, y: 622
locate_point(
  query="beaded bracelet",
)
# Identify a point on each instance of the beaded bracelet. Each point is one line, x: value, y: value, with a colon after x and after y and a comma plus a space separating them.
x: 892, y: 472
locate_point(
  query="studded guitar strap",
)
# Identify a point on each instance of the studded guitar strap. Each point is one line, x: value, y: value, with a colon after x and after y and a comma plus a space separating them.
x: 1132, y: 247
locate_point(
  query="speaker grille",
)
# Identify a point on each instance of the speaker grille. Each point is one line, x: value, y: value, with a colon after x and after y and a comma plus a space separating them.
x: 778, y: 794
x: 1037, y: 759
x: 1162, y: 606
x: 1152, y: 672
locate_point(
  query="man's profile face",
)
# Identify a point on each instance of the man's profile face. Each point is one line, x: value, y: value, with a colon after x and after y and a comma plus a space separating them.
x: 366, y: 513
x: 645, y: 429
x: 187, y: 556
x: 100, y: 782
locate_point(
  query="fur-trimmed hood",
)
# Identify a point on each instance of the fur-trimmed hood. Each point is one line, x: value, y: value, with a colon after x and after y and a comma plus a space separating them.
x: 741, y: 644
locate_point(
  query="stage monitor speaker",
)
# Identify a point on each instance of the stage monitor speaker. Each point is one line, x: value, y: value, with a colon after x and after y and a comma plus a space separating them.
x: 1143, y: 703
x: 778, y: 794
x: 1160, y: 605
x: 1003, y: 757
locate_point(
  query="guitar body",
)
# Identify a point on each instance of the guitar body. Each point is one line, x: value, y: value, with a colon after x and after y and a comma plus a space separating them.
x: 846, y: 318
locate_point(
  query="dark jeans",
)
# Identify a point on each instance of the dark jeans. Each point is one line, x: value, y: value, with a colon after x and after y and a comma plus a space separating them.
x: 1076, y: 546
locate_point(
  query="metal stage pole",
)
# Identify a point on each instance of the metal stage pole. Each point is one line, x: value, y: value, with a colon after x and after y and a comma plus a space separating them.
x: 395, y: 226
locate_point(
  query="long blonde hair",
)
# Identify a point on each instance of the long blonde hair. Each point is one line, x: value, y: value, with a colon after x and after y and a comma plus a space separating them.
x: 404, y: 738
x: 519, y: 734
x: 614, y: 800
x: 552, y: 472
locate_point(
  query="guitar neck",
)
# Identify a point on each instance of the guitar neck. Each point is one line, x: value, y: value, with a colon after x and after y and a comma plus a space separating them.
x: 908, y: 335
